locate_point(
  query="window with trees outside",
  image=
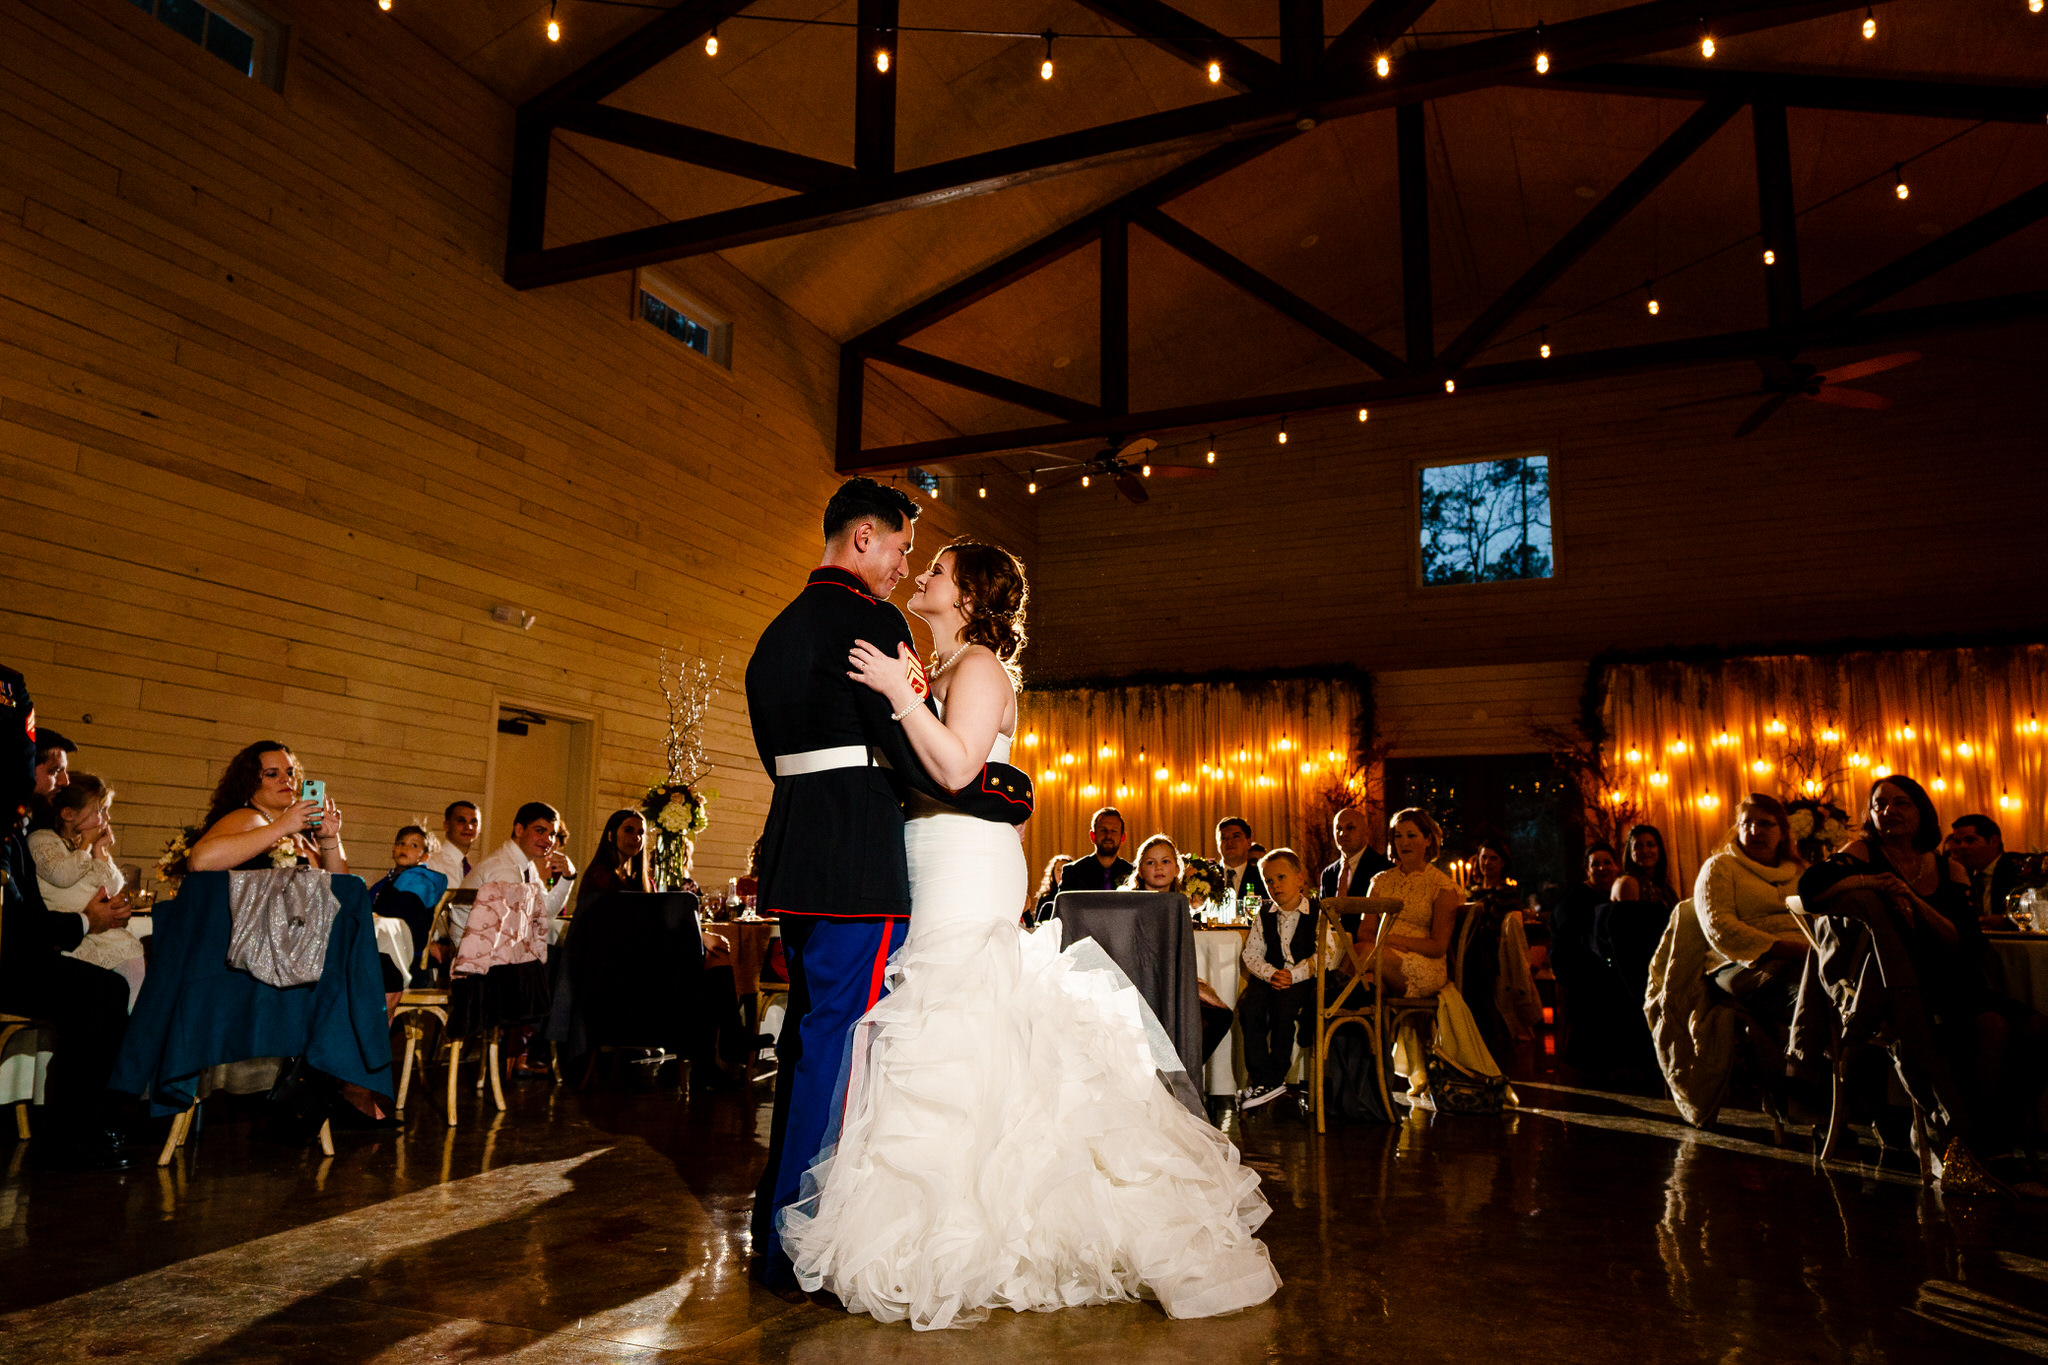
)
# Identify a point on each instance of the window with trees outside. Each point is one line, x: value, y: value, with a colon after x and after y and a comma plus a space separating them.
x: 1486, y: 521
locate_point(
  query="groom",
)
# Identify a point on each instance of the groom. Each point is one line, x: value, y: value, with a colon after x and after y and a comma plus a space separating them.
x: 832, y: 862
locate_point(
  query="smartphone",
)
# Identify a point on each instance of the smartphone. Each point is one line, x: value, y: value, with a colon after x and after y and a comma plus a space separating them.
x: 313, y: 789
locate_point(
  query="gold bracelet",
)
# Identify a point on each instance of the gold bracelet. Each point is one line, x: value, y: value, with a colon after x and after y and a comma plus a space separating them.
x: 899, y: 715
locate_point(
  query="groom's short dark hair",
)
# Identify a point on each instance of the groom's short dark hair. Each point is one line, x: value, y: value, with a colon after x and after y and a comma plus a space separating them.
x: 865, y: 500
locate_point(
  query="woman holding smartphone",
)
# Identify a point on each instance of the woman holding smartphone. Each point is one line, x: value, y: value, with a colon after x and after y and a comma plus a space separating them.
x: 261, y: 817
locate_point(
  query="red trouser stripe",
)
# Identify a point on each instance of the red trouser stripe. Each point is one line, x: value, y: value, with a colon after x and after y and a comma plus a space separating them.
x: 881, y: 963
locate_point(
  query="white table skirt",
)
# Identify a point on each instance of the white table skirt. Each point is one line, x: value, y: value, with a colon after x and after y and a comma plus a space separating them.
x: 2024, y: 962
x: 1219, y: 961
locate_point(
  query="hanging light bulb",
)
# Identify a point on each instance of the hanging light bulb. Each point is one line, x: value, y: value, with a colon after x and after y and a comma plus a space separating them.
x: 1145, y: 471
x: 1215, y: 72
x: 554, y: 28
x: 1707, y: 46
x: 882, y: 59
x: 1869, y: 23
x: 1283, y: 431
x: 1450, y: 386
x: 981, y: 491
x: 1045, y: 67
x: 1031, y: 487
x: 1084, y: 481
x: 1212, y: 450
x: 1770, y: 256
x: 1899, y: 175
x: 1385, y: 66
x: 1543, y: 63
x: 384, y: 5
x: 711, y: 43
x: 1363, y: 414
x: 2034, y: 6
x: 1650, y: 288
x: 1543, y: 348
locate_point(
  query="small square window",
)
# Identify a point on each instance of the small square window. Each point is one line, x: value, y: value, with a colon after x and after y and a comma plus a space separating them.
x: 233, y: 30
x: 1486, y: 521
x: 187, y: 17
x: 660, y: 303
x: 231, y: 45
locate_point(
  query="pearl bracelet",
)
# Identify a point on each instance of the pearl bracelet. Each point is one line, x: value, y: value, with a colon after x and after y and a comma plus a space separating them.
x: 899, y: 715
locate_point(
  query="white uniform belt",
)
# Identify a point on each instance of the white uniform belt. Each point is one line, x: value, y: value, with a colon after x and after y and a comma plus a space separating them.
x: 825, y: 760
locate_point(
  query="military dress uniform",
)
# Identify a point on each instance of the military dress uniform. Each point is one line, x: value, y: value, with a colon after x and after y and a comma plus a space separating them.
x: 88, y: 1004
x: 832, y: 861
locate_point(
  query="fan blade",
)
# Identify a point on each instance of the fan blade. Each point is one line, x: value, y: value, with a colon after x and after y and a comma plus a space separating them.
x: 1875, y: 365
x: 1143, y: 445
x: 1066, y: 476
x: 1851, y: 398
x: 1184, y: 471
x: 1763, y: 414
x: 1132, y: 487
x: 1783, y: 374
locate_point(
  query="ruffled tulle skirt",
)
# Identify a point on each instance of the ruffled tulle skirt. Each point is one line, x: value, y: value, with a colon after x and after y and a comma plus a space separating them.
x: 1006, y: 1141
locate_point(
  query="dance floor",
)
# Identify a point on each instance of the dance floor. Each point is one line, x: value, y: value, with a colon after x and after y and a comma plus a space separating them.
x: 612, y: 1227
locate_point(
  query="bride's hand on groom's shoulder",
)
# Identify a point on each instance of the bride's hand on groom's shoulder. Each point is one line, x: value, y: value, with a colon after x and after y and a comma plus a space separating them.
x: 889, y: 676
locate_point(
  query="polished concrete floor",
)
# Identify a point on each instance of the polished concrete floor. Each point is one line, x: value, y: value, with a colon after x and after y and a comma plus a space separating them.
x: 611, y: 1226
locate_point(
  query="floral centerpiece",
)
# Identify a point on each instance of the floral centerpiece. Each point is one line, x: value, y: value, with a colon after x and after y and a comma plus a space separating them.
x: 1819, y: 828
x: 171, y: 865
x: 1204, y: 883
x: 678, y: 807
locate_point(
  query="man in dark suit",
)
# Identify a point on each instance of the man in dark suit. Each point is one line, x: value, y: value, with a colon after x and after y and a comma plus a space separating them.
x: 832, y: 861
x: 1976, y: 842
x: 1105, y: 871
x: 1234, y: 846
x: 1357, y: 863
x: 88, y: 1004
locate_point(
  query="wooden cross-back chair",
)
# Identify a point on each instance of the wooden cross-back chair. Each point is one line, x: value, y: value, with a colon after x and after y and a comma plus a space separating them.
x: 1359, y: 999
x: 1843, y: 1051
x: 414, y: 1005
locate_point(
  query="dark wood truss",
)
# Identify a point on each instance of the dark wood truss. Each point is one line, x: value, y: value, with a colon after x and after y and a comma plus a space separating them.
x: 1318, y: 78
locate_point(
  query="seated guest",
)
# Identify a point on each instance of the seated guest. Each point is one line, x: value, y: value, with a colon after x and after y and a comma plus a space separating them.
x: 1357, y: 861
x: 1591, y: 1001
x: 620, y: 863
x: 1105, y: 871
x: 1278, y: 1005
x: 459, y: 827
x: 1978, y: 1054
x: 530, y: 857
x: 1499, y: 987
x: 748, y: 884
x: 413, y: 886
x: 1414, y: 950
x: 1159, y: 869
x: 1755, y: 950
x: 257, y: 819
x: 1234, y: 846
x: 1627, y: 929
x: 73, y: 848
x: 53, y: 763
x: 1040, y: 909
x: 88, y: 1004
x: 1976, y: 842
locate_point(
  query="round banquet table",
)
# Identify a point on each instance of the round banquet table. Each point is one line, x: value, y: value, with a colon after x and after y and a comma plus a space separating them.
x: 1219, y: 960
x: 2022, y: 959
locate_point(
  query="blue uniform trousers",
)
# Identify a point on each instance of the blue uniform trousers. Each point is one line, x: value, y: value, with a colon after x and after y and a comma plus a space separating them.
x: 836, y: 970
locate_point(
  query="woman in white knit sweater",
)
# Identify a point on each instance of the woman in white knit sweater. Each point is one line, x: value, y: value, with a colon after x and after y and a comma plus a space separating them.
x: 73, y: 848
x: 1755, y: 950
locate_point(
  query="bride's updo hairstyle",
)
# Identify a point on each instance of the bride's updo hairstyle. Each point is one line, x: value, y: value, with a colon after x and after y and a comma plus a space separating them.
x: 991, y: 579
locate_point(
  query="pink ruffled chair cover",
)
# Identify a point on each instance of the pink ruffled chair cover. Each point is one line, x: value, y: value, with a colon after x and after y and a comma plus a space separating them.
x: 507, y: 925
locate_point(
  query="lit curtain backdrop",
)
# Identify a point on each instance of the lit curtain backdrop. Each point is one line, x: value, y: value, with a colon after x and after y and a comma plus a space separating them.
x: 1178, y: 757
x: 1686, y: 740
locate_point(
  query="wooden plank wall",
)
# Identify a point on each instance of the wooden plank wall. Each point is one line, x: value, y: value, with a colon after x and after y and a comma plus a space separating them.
x: 275, y: 437
x: 1828, y: 523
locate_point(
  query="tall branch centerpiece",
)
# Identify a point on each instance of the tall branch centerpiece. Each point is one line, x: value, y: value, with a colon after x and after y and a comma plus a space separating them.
x: 678, y: 807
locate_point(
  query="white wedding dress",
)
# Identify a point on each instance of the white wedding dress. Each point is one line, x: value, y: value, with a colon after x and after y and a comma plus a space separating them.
x: 1006, y: 1140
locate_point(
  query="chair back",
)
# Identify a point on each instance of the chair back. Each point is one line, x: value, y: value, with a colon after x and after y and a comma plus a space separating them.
x: 1364, y: 978
x: 438, y: 930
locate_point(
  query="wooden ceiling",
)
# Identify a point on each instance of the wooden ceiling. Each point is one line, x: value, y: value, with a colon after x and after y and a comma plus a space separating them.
x: 1512, y: 168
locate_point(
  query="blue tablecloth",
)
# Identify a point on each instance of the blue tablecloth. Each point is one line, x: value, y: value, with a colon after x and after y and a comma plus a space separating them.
x: 196, y: 1012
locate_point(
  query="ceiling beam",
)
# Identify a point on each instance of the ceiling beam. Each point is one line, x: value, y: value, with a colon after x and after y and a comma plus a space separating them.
x: 1783, y: 294
x: 874, y: 91
x: 1637, y: 186
x: 679, y: 142
x: 1798, y: 90
x: 1373, y: 31
x: 1115, y: 315
x: 1204, y: 252
x: 634, y: 55
x: 1301, y: 39
x: 1871, y: 328
x: 1632, y: 31
x: 981, y: 381
x: 1191, y: 40
x: 1944, y: 251
x: 1418, y: 307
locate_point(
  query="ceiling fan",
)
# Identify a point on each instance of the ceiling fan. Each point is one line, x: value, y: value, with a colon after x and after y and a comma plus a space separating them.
x: 1784, y: 380
x: 1123, y: 467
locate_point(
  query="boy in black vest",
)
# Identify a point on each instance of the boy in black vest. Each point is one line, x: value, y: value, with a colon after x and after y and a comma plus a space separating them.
x: 1278, y: 1003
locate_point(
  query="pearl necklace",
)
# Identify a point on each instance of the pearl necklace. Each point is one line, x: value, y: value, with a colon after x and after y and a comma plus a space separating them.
x: 940, y: 670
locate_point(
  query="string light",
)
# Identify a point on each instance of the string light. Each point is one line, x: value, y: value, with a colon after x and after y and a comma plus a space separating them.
x: 1363, y: 414
x: 882, y: 60
x: 384, y: 5
x: 1964, y: 749
x: 1283, y: 431
x: 711, y: 43
x: 2034, y: 6
x: 1770, y: 256
x: 1543, y: 63
x: 1650, y: 288
x: 1635, y: 755
x: 1084, y: 481
x: 1869, y: 23
x: 1658, y: 779
x: 1145, y: 471
x: 982, y: 490
x: 1045, y: 67
x: 1899, y: 175
x: 1212, y: 450
x: 1450, y: 386
x: 1385, y: 66
x: 1775, y: 727
x: 1708, y: 800
x: 1761, y: 767
x: 554, y: 28
x: 1831, y: 736
x: 1707, y: 46
x: 1031, y: 487
x: 1543, y: 348
x: 1215, y: 72
x: 2005, y: 802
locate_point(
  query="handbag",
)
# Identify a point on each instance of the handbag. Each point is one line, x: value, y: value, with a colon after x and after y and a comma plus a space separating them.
x: 1350, y: 1084
x: 1455, y: 1090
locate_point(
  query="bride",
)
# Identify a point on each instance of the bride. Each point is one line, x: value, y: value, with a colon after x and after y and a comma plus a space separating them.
x: 1006, y: 1141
